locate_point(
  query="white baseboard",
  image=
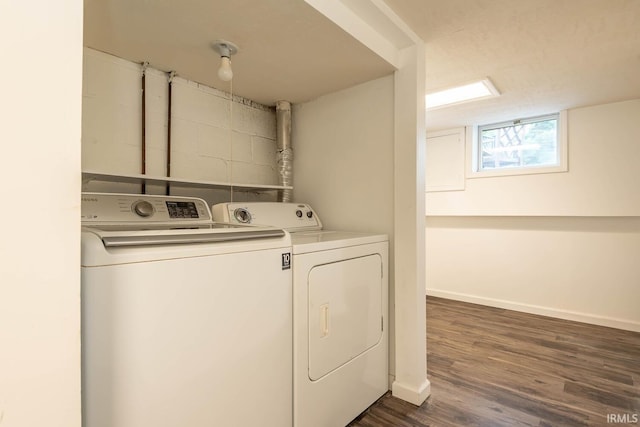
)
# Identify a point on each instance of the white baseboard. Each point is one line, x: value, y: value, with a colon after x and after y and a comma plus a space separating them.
x: 593, y: 319
x: 411, y: 394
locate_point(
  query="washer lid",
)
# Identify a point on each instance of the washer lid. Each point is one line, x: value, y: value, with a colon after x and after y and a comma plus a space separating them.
x: 313, y: 241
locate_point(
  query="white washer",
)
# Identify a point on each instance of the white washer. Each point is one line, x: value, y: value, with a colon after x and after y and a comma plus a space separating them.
x: 340, y: 305
x: 184, y: 322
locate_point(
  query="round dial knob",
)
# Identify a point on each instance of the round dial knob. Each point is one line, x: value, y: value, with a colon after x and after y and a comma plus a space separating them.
x: 309, y: 214
x: 299, y: 213
x: 143, y: 208
x: 242, y: 215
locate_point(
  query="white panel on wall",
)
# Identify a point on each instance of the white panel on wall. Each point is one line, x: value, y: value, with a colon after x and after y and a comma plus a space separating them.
x: 445, y: 160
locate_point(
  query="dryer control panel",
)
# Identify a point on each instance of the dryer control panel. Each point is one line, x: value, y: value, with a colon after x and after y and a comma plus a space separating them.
x: 289, y: 216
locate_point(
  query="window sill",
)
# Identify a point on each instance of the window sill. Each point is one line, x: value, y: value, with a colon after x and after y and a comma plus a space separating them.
x: 517, y: 171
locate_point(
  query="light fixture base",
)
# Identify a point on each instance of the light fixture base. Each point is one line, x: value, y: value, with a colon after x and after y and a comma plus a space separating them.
x: 225, y: 48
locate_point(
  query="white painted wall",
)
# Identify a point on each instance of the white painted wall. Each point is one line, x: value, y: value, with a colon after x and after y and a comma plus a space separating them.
x: 577, y: 268
x: 212, y: 139
x: 604, y: 148
x: 343, y: 157
x: 563, y: 244
x: 41, y: 44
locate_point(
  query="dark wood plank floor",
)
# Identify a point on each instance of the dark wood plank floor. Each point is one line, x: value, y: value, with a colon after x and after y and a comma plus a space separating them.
x: 495, y: 367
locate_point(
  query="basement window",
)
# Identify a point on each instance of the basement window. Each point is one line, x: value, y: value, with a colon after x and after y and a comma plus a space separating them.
x: 523, y: 146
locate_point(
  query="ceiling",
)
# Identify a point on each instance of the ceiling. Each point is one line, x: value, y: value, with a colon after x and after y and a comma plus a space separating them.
x: 542, y: 55
x: 287, y: 50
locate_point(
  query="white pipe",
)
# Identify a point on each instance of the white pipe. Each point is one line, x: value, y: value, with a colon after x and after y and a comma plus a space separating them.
x: 284, y: 148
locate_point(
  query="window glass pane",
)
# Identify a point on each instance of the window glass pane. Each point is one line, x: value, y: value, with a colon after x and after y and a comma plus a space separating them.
x: 525, y: 143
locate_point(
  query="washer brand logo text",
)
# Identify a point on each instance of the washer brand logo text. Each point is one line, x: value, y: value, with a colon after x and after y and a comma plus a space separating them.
x: 89, y: 199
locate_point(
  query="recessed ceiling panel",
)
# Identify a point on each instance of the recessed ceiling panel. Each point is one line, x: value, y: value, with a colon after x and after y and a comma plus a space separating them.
x: 288, y: 51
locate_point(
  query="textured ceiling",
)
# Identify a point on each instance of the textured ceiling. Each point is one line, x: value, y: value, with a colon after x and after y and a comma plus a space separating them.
x: 542, y: 55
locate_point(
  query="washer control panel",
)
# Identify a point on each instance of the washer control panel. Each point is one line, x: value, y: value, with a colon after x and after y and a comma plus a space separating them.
x: 134, y: 208
x: 289, y: 216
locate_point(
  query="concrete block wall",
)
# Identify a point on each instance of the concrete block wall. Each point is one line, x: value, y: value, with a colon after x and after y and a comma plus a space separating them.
x: 213, y: 138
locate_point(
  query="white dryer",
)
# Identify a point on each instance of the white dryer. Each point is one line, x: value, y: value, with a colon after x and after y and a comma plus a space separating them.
x: 340, y: 306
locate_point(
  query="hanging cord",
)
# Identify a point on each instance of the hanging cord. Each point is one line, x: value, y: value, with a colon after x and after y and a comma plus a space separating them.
x: 172, y: 75
x: 143, y: 189
x: 231, y: 137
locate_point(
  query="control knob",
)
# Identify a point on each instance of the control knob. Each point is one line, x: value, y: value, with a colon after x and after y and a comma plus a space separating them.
x: 242, y: 215
x: 143, y: 208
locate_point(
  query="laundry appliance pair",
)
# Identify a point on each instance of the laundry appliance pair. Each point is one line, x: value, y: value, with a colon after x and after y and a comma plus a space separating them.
x: 189, y: 319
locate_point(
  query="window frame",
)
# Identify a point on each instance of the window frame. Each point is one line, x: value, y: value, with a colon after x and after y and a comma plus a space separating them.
x: 473, y: 144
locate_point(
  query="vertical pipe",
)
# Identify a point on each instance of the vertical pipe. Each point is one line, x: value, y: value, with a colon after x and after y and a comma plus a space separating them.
x: 143, y: 190
x: 284, y: 149
x: 169, y: 99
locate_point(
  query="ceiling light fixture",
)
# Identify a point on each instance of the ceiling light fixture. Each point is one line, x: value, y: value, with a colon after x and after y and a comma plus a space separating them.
x: 225, y: 49
x: 456, y: 95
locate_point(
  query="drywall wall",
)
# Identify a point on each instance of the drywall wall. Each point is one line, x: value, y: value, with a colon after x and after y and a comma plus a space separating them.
x: 343, y: 157
x: 212, y: 139
x: 602, y: 178
x: 41, y: 44
x: 577, y: 268
x: 561, y: 244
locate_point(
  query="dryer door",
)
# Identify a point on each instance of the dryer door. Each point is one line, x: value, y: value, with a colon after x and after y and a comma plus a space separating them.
x: 345, y: 312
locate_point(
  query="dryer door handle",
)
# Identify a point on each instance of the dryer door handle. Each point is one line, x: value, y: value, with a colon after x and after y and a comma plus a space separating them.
x: 324, y: 320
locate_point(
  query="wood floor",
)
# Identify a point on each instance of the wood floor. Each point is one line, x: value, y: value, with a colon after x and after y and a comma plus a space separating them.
x: 495, y: 367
